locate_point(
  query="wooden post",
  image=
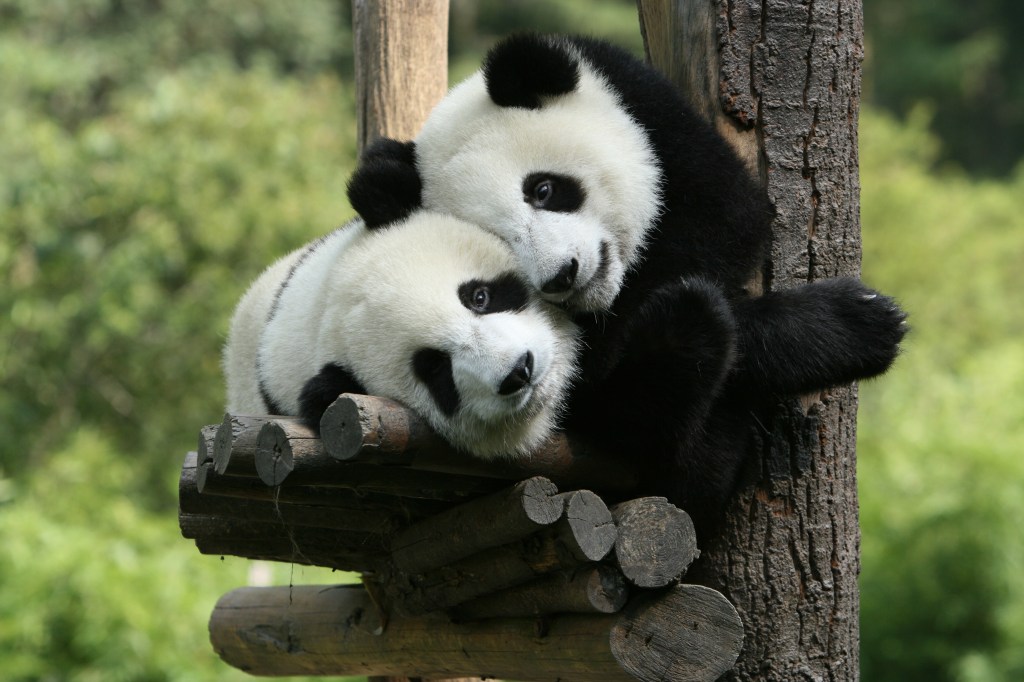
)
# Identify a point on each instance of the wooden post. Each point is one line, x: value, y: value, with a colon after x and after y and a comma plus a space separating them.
x: 782, y: 79
x: 401, y: 65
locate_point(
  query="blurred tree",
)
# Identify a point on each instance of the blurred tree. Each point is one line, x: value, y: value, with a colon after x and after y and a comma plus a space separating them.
x: 942, y: 585
x: 962, y: 59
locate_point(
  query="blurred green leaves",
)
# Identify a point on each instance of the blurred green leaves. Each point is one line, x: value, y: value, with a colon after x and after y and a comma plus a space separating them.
x: 127, y: 239
x: 941, y: 436
x: 961, y: 58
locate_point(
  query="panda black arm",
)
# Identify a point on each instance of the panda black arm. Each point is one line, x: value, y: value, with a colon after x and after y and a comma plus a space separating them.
x: 663, y: 370
x: 386, y: 187
x: 322, y: 390
x: 815, y: 336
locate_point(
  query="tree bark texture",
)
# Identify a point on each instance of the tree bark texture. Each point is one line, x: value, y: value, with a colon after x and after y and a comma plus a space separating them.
x: 401, y: 65
x: 783, y: 82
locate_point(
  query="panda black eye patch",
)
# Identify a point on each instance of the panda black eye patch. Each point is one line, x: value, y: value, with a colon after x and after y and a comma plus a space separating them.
x: 507, y: 293
x: 553, y: 192
x: 434, y: 368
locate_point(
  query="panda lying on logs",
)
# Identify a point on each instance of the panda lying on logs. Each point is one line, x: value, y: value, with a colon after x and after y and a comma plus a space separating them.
x: 633, y: 213
x: 426, y: 310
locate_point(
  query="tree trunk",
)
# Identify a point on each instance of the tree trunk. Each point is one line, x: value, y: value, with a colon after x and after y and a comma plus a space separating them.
x: 781, y: 78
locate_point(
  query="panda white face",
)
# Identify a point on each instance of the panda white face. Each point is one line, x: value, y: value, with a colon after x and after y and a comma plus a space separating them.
x: 431, y: 312
x: 571, y: 186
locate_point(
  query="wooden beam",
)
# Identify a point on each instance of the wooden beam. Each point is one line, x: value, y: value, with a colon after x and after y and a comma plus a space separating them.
x: 359, y: 428
x: 687, y: 633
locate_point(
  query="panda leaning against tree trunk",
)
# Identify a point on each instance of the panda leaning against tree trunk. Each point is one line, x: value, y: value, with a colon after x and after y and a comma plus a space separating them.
x: 630, y: 211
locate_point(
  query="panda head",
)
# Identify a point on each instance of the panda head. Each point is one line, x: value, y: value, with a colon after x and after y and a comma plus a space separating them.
x: 538, y: 148
x: 432, y: 312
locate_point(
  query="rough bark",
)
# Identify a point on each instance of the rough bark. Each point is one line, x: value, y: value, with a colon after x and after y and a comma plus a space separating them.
x: 788, y: 87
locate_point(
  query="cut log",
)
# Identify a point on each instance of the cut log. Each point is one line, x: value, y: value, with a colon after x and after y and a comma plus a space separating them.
x: 205, y: 446
x: 497, y: 519
x: 593, y: 589
x: 244, y: 487
x: 235, y: 446
x: 288, y: 453
x: 269, y: 510
x: 350, y: 551
x: 687, y: 633
x: 656, y: 541
x: 359, y: 428
x: 582, y: 535
x: 283, y: 444
x: 587, y: 528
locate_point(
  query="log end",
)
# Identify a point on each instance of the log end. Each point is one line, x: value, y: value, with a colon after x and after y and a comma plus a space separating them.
x: 274, y: 460
x: 592, y: 527
x: 341, y: 429
x: 540, y: 501
x: 688, y: 634
x: 656, y: 541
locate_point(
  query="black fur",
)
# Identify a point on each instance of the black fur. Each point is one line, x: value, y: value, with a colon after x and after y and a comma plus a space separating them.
x: 663, y: 357
x: 323, y: 389
x: 504, y: 294
x: 685, y: 350
x: 522, y: 70
x: 386, y: 187
x: 434, y: 368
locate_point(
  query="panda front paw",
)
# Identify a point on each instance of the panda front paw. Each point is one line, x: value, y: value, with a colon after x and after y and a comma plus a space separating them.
x: 818, y: 335
x: 874, y: 325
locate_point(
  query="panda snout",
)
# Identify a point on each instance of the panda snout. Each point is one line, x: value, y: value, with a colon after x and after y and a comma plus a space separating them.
x: 520, y: 375
x: 563, y: 280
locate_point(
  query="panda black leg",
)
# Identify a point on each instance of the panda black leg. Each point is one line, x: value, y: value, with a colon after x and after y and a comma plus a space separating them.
x: 323, y: 389
x: 815, y: 336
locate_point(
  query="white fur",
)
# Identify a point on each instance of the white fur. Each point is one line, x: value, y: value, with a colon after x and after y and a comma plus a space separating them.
x: 473, y: 156
x: 368, y: 300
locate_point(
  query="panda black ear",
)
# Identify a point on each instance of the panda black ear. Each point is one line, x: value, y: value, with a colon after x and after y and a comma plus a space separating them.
x: 522, y: 68
x: 386, y: 187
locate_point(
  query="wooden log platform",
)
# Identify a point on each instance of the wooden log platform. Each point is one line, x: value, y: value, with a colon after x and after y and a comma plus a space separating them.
x: 475, y: 567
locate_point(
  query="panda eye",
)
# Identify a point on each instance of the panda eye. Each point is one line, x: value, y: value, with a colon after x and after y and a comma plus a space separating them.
x: 553, y: 192
x: 542, y: 191
x: 505, y: 293
x: 480, y: 299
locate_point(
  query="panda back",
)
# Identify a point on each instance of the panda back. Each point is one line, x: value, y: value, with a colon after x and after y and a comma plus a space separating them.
x: 288, y: 355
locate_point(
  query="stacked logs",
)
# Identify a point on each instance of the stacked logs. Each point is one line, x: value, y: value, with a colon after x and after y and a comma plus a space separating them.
x: 432, y: 530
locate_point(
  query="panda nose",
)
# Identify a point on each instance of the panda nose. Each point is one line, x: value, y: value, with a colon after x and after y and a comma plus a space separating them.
x: 562, y: 282
x: 519, y: 376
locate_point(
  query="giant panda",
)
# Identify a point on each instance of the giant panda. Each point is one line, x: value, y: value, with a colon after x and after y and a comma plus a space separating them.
x: 626, y: 208
x: 426, y: 310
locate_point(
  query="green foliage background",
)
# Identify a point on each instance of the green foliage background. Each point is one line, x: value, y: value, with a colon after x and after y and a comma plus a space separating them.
x: 155, y: 156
